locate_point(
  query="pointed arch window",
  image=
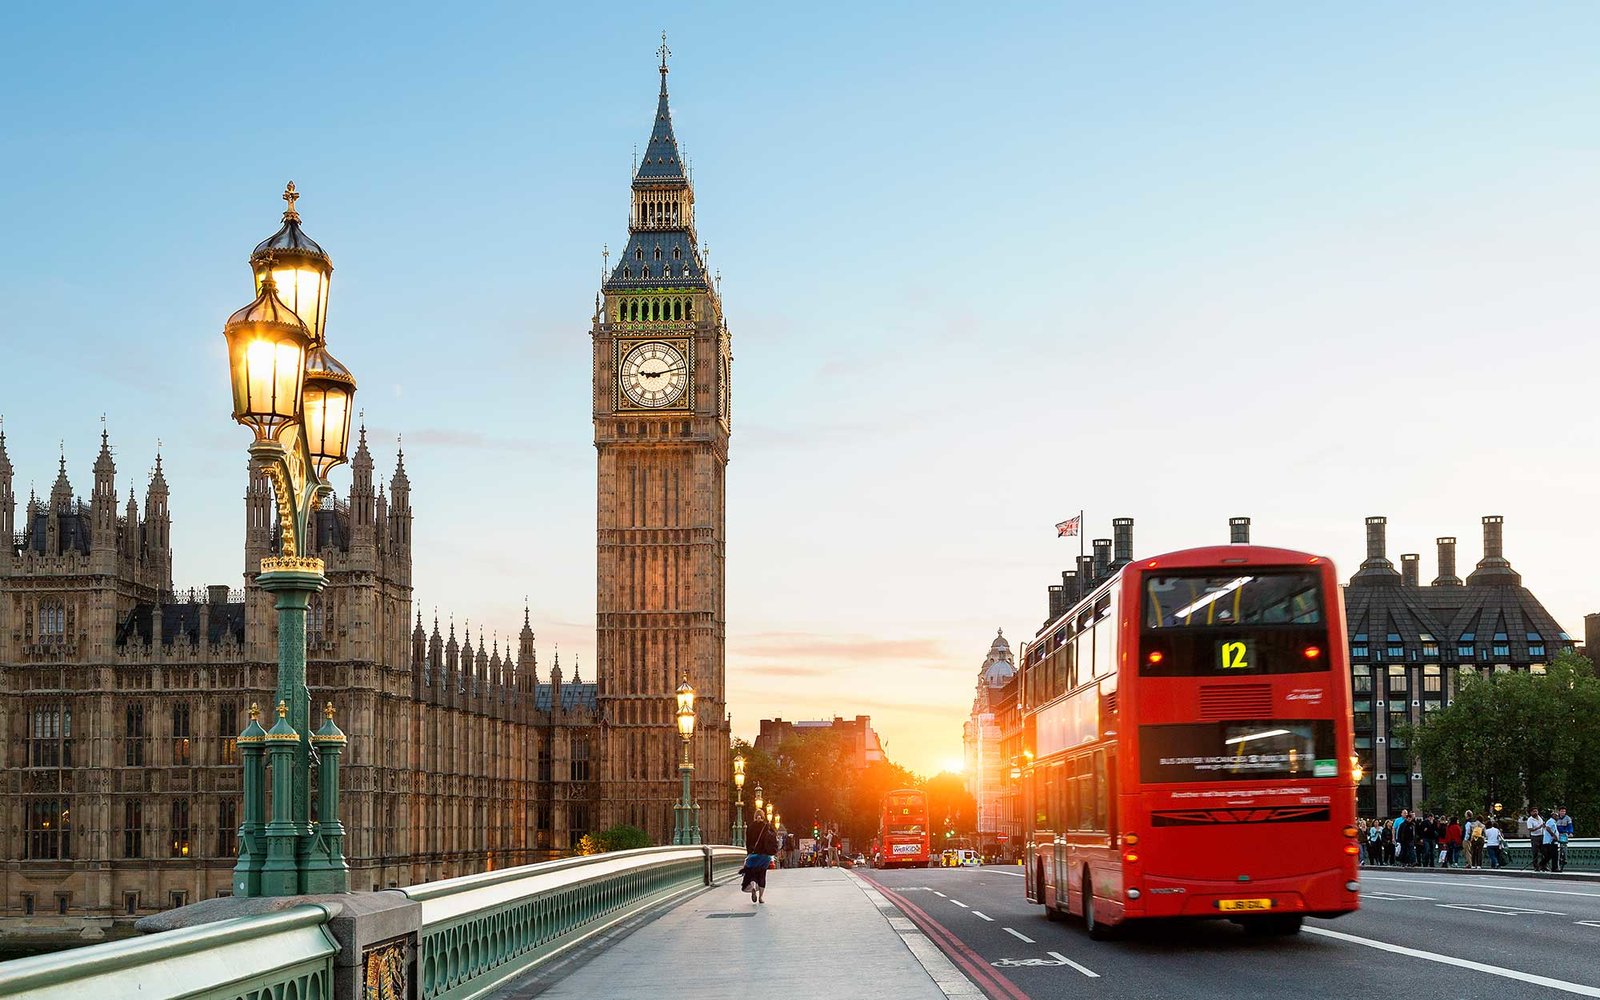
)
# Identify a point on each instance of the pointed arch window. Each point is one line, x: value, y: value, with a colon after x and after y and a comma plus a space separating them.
x: 638, y: 254
x: 658, y: 253
x: 627, y: 272
x: 677, y: 253
x: 52, y: 622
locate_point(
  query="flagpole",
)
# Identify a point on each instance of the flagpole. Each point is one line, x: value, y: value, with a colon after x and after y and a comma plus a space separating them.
x: 1081, y: 529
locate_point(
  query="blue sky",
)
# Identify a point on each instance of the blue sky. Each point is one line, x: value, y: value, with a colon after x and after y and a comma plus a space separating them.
x: 983, y: 265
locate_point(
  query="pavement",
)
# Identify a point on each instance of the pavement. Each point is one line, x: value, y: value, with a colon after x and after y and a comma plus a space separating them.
x: 822, y: 933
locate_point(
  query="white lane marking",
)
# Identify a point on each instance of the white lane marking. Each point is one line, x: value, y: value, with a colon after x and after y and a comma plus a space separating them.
x: 1482, y: 885
x: 1498, y: 909
x: 985, y: 916
x: 1028, y: 940
x: 1588, y: 923
x: 1462, y: 963
x: 1064, y: 960
x: 941, y: 895
x: 1395, y: 896
x: 1012, y: 874
x: 959, y: 903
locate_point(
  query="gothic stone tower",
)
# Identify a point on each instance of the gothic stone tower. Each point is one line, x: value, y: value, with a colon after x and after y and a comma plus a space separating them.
x: 661, y: 393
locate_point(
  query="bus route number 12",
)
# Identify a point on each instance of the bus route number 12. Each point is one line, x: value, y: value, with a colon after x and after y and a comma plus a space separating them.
x: 1235, y: 654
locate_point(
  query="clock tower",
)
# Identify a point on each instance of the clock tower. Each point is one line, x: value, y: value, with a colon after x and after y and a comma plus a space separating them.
x: 662, y: 360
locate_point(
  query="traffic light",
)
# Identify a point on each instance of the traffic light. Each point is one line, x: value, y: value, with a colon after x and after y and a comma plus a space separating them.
x: 814, y: 831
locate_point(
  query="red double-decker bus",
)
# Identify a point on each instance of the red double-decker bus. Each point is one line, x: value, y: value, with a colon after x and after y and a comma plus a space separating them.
x: 903, y: 830
x: 1190, y: 727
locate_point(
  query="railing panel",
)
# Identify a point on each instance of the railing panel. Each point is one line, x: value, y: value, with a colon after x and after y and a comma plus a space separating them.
x: 480, y: 930
x: 289, y: 953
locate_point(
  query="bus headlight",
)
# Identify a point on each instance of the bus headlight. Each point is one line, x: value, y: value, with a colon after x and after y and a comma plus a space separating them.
x: 1353, y: 886
x: 1133, y: 893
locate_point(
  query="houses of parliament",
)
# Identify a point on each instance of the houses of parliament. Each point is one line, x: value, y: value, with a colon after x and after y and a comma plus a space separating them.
x: 121, y: 697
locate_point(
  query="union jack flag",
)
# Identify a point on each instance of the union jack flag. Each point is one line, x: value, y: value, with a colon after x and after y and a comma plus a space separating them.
x: 1069, y: 527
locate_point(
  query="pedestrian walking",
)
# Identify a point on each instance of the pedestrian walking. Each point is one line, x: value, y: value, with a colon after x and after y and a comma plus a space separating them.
x: 761, y: 843
x: 1361, y: 839
x: 1452, y: 842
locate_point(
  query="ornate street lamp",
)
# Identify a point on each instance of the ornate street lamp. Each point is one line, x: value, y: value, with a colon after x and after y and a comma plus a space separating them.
x: 738, y: 805
x: 297, y: 401
x: 759, y: 798
x: 686, y: 827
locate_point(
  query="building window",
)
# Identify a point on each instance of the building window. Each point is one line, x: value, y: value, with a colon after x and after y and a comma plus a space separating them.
x: 228, y: 732
x: 130, y: 902
x: 49, y: 829
x: 133, y: 734
x: 181, y: 831
x: 1502, y: 645
x: 133, y: 829
x: 176, y: 898
x: 62, y: 899
x: 577, y: 823
x: 1397, y: 680
x: 1396, y: 651
x: 1430, y: 646
x: 50, y: 737
x: 1361, y: 680
x: 1432, y: 681
x: 544, y: 763
x: 52, y: 622
x: 316, y: 619
x: 27, y: 904
x: 180, y: 734
x: 580, y: 758
x: 228, y: 828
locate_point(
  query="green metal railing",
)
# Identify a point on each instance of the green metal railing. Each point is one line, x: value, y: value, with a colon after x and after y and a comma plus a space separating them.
x: 286, y: 955
x: 1583, y: 854
x: 475, y: 933
x: 480, y: 930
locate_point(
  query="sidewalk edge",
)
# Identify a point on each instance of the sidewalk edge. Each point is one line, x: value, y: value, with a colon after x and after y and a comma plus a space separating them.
x: 952, y: 982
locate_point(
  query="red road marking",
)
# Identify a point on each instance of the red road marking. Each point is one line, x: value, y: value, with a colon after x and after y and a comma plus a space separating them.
x: 952, y: 946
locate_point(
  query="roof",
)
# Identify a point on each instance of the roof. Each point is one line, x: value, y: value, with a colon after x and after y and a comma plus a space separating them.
x: 72, y: 526
x: 182, y: 622
x: 659, y: 258
x: 573, y: 696
x: 662, y: 162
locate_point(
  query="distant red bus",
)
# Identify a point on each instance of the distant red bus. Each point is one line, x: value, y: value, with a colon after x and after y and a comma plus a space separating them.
x: 1190, y: 727
x: 903, y: 830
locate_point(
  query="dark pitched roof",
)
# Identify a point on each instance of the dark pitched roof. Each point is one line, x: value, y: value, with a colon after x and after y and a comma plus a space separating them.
x: 679, y: 264
x: 182, y: 622
x: 572, y: 696
x: 74, y: 531
x: 662, y: 161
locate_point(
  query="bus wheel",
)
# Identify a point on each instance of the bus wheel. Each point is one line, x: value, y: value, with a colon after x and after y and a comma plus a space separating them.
x: 1097, y: 930
x: 1278, y: 926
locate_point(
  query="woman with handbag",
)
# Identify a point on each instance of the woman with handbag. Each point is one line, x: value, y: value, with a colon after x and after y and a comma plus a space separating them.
x: 761, y: 841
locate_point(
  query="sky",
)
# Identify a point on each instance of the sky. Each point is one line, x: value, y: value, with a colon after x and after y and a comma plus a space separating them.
x: 984, y: 266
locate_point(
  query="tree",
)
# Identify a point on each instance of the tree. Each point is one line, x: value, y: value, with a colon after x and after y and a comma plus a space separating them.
x: 1516, y: 738
x: 950, y: 805
x: 621, y: 837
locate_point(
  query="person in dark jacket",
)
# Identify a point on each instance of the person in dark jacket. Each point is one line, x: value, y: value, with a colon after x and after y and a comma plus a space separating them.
x: 761, y: 843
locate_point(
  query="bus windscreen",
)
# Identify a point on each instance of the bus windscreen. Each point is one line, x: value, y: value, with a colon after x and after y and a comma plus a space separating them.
x: 1229, y: 600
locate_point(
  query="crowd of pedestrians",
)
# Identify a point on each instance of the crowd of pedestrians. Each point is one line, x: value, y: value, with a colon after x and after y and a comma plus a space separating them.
x: 1429, y: 840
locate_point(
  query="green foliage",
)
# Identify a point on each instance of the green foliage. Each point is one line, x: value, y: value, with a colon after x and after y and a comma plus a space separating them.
x: 1515, y: 738
x: 621, y: 837
x: 812, y: 781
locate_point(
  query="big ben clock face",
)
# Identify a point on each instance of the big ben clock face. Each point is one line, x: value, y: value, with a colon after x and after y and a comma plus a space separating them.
x: 654, y: 374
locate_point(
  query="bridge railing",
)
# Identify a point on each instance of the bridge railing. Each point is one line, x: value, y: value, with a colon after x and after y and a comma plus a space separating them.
x: 454, y: 939
x: 1583, y: 854
x: 480, y: 930
x: 287, y: 953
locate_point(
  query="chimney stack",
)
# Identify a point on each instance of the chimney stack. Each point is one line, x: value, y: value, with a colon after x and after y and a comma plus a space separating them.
x: 1058, y: 602
x: 1410, y: 569
x: 1494, y: 537
x: 1238, y: 531
x: 1069, y: 588
x: 1494, y: 568
x: 1102, y: 559
x: 1447, y: 563
x: 1085, y: 578
x: 1122, y: 541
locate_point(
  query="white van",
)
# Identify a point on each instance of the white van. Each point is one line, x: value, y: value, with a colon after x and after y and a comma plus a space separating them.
x: 968, y: 859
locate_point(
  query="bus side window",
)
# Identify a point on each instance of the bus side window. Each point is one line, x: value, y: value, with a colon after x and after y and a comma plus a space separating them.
x: 1069, y: 665
x: 1072, y: 798
x: 1103, y: 660
x: 1101, y: 791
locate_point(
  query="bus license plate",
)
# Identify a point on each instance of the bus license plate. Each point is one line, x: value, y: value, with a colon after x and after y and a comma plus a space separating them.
x: 1244, y: 904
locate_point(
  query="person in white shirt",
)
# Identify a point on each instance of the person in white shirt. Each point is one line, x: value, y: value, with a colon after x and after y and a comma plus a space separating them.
x: 1492, y: 841
x: 1535, y: 824
x: 1550, y: 838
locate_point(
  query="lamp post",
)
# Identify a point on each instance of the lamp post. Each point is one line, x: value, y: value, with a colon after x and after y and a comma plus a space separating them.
x: 296, y: 399
x: 738, y: 804
x: 686, y: 827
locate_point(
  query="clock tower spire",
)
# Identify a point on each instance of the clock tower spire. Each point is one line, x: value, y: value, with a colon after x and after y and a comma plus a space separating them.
x: 662, y: 363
